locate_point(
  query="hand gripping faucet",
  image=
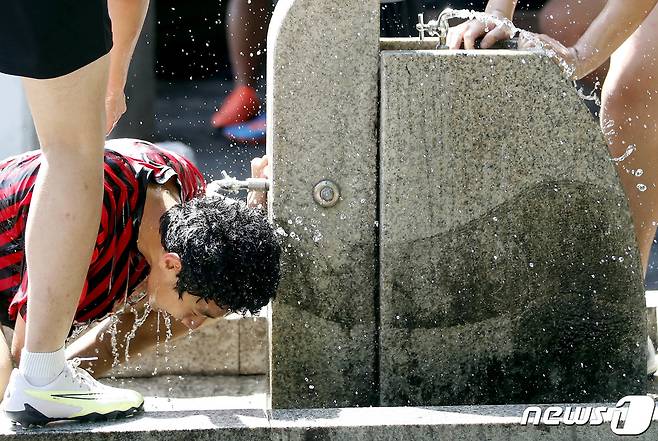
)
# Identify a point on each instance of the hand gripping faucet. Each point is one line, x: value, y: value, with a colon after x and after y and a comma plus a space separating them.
x: 438, y: 27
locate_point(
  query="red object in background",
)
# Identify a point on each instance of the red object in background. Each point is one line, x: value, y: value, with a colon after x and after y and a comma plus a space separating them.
x: 240, y: 106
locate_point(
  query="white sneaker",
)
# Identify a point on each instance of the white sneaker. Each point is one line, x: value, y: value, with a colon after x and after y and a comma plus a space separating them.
x: 652, y: 360
x: 73, y: 395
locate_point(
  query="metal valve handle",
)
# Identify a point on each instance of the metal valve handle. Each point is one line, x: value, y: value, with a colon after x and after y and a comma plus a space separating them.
x: 438, y: 27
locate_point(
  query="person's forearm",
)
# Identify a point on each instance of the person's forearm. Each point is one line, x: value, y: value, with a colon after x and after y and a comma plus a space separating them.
x: 96, y: 344
x: 503, y: 8
x: 127, y: 20
x: 616, y: 22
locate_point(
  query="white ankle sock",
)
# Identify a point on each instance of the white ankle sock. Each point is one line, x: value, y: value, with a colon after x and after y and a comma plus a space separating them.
x: 41, y: 368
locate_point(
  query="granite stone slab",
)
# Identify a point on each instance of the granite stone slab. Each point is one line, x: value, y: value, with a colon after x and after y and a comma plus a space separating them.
x: 323, y: 59
x: 253, y: 351
x: 474, y: 423
x: 509, y: 270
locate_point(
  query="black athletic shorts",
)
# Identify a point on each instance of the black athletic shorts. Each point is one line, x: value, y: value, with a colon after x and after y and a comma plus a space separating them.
x: 50, y: 38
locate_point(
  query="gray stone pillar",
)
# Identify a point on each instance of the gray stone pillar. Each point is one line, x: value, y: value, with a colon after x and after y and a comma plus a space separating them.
x: 139, y: 119
x: 509, y: 270
x: 16, y: 127
x: 322, y: 104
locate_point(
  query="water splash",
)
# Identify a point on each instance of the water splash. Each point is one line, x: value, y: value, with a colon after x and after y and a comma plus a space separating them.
x: 139, y: 321
x: 78, y: 329
x: 157, y: 342
x: 608, y: 128
x: 592, y: 96
x: 230, y: 185
x: 537, y: 44
x: 629, y: 151
x: 112, y: 330
x: 167, y: 340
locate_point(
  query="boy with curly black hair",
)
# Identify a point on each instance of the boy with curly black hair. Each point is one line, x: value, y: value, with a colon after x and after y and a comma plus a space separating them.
x: 162, y: 244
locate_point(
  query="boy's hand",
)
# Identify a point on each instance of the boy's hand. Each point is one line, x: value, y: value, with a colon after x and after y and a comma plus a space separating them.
x: 471, y: 30
x: 260, y: 168
x: 565, y: 57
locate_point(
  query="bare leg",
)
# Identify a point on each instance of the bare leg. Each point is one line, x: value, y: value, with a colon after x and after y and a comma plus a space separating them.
x: 629, y: 117
x: 69, y: 114
x: 247, y: 35
x: 566, y: 21
x: 6, y: 364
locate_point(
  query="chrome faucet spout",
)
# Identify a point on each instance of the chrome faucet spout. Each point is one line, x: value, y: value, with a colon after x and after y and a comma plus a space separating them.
x: 438, y: 27
x: 444, y: 26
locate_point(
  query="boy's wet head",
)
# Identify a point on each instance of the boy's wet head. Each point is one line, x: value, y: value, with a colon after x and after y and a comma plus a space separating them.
x: 220, y: 251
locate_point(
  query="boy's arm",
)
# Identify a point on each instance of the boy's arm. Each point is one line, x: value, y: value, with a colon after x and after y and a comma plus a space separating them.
x: 127, y: 21
x: 501, y: 8
x: 90, y: 344
x: 614, y: 24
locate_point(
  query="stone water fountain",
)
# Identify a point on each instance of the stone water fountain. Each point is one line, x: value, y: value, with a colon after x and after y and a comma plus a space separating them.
x: 455, y: 236
x: 481, y: 250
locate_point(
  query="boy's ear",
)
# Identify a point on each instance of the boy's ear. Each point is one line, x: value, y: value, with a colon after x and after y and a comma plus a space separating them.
x: 171, y: 261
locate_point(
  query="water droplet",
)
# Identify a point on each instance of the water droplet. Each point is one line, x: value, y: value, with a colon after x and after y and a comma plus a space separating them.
x: 642, y: 187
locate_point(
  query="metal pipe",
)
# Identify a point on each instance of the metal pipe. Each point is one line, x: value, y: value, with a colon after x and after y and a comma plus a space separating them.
x: 233, y: 185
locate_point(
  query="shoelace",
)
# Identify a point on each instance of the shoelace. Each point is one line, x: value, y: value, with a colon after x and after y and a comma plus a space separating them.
x: 80, y: 374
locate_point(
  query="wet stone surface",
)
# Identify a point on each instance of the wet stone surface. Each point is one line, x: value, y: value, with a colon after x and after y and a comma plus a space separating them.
x: 508, y: 263
x: 322, y: 98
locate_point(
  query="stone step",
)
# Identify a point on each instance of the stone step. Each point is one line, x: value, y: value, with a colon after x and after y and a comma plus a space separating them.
x: 492, y: 423
x: 204, y: 407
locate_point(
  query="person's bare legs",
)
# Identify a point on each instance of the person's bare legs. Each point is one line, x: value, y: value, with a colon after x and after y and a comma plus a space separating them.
x: 247, y: 36
x: 630, y: 117
x: 69, y: 115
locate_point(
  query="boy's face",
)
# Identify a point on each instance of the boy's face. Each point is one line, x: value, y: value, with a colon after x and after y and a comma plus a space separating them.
x: 189, y: 309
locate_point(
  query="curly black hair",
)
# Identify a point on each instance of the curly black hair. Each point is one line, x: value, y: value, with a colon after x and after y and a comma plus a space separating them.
x: 229, y: 252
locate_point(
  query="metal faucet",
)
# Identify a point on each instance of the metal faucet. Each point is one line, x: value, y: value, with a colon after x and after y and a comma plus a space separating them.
x: 438, y: 27
x: 233, y: 185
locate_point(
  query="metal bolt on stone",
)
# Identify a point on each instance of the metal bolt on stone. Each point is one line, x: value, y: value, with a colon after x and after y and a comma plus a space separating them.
x: 326, y: 193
